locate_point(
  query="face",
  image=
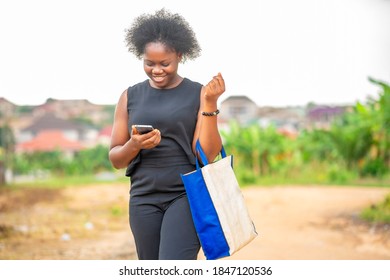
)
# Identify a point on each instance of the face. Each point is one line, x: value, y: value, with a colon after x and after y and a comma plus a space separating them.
x: 161, y: 65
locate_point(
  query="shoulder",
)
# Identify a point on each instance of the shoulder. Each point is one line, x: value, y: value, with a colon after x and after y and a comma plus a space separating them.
x: 135, y: 90
x: 137, y: 86
x: 192, y: 83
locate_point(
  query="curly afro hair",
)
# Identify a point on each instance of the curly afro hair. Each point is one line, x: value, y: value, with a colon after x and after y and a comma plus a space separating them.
x: 169, y: 29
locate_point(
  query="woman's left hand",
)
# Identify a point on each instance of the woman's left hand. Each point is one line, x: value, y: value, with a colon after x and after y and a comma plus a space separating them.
x: 215, y: 88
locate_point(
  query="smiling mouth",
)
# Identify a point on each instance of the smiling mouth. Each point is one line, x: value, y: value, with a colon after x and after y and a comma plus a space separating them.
x: 158, y: 79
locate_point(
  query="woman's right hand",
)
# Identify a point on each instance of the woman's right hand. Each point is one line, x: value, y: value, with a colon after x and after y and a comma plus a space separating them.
x: 145, y: 141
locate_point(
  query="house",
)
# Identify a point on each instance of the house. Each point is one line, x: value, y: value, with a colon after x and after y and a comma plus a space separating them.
x: 321, y: 116
x: 71, y: 130
x: 104, y: 136
x: 49, y: 141
x: 287, y: 119
x: 238, y: 107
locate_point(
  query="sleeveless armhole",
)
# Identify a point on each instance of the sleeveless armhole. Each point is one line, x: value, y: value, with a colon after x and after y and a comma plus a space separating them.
x: 132, y: 165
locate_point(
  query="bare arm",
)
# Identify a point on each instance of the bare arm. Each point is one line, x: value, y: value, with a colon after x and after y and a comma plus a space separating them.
x: 125, y: 147
x: 207, y: 126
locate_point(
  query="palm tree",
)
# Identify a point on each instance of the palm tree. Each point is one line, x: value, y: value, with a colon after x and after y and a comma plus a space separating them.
x: 381, y: 115
x: 352, y: 135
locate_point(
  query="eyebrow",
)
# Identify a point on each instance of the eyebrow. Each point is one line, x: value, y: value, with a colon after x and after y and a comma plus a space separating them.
x: 163, y: 61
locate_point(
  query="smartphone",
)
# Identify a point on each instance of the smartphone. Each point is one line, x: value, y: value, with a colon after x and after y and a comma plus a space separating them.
x: 143, y: 128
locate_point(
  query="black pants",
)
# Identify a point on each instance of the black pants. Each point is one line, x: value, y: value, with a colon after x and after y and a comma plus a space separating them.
x: 162, y: 227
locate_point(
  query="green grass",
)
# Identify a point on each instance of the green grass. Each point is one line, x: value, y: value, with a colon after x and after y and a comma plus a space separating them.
x: 378, y: 213
x: 306, y: 181
x: 311, y: 178
x: 306, y: 175
x: 317, y: 174
x: 66, y: 181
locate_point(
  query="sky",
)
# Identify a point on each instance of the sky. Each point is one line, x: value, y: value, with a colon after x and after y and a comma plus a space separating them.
x: 276, y: 52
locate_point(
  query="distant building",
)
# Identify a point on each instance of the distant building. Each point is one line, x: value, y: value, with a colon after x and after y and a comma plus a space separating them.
x: 240, y: 108
x: 49, y: 122
x: 322, y: 116
x: 78, y: 119
x: 287, y: 119
x: 49, y: 141
x: 104, y: 136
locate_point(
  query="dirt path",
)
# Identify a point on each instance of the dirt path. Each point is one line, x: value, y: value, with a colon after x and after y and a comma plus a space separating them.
x: 314, y: 223
x: 293, y: 223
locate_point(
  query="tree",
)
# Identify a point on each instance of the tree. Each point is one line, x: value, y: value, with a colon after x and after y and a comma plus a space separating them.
x: 381, y: 115
x: 257, y: 151
x: 7, y: 145
x: 352, y: 135
x: 362, y: 137
x: 316, y: 145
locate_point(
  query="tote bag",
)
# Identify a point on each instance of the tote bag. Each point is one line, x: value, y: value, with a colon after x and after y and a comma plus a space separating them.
x: 217, y: 206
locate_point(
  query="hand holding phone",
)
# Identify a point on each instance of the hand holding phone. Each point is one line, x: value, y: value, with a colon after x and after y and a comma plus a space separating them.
x: 142, y: 141
x: 142, y: 128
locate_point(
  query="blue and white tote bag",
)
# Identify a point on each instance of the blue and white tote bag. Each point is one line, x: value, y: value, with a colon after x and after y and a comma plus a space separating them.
x: 218, y: 208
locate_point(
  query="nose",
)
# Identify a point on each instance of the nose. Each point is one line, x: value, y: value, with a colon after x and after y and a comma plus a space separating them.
x: 157, y: 70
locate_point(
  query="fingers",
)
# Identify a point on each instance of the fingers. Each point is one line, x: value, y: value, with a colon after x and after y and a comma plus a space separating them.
x: 157, y: 138
x: 133, y: 130
x: 220, y: 80
x: 217, y: 84
x: 213, y: 85
x: 151, y: 139
x: 147, y: 140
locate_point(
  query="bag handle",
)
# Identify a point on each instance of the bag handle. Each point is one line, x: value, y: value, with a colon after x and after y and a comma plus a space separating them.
x: 202, y: 155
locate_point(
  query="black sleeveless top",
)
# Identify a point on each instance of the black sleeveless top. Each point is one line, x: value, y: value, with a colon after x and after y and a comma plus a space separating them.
x: 174, y: 112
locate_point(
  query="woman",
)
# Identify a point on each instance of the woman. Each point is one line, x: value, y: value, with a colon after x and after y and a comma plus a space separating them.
x: 181, y: 111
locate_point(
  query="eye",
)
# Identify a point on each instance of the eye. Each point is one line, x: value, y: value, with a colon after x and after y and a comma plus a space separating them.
x: 164, y: 64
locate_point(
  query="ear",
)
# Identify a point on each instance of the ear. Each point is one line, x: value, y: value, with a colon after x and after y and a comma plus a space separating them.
x: 179, y: 56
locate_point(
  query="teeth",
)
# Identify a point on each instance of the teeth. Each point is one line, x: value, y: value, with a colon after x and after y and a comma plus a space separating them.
x: 158, y: 79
